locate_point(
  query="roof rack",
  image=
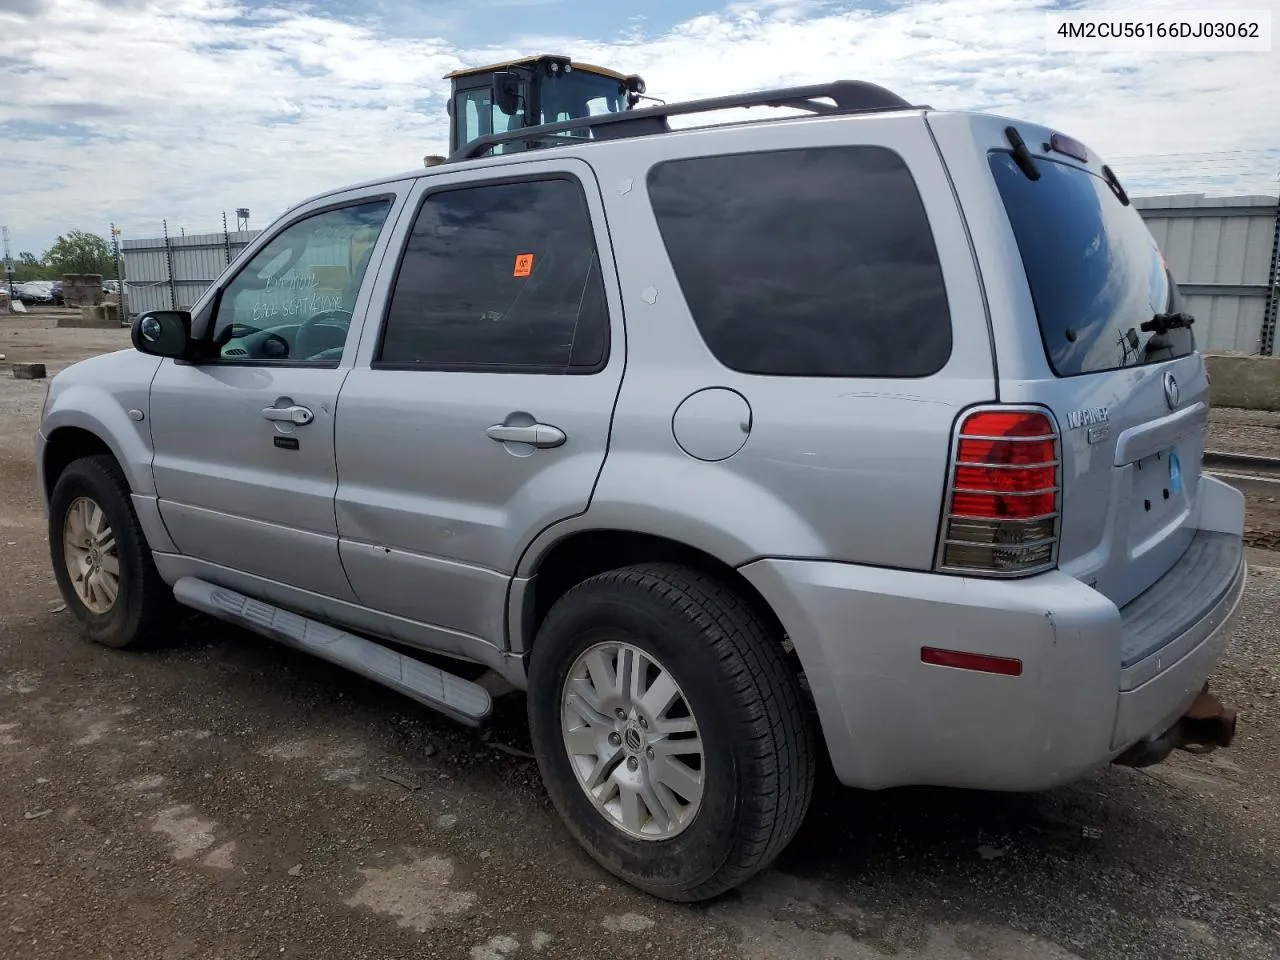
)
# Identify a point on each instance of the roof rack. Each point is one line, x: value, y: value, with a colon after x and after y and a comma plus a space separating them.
x: 850, y: 96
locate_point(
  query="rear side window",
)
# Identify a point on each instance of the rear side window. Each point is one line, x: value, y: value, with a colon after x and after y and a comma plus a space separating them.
x: 1094, y: 270
x: 806, y: 263
x: 500, y: 277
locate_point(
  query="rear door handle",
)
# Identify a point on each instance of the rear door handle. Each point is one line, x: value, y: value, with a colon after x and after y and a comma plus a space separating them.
x: 541, y: 435
x: 294, y: 414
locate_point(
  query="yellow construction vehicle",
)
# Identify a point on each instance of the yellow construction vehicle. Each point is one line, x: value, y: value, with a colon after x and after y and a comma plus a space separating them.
x: 530, y: 92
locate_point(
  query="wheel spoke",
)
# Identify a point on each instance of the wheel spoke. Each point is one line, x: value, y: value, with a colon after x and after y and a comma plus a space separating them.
x: 107, y: 542
x: 602, y: 676
x: 91, y: 587
x: 626, y: 670
x: 111, y: 564
x: 678, y: 748
x: 632, y: 816
x: 606, y: 763
x: 659, y: 697
x: 108, y: 586
x: 669, y: 728
x: 579, y: 702
x: 97, y: 520
x: 582, y: 741
x: 684, y: 782
x: 639, y: 670
x: 670, y: 802
x: 76, y: 532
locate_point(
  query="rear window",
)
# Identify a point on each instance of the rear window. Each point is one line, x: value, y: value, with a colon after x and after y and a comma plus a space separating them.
x: 1095, y: 271
x: 807, y: 263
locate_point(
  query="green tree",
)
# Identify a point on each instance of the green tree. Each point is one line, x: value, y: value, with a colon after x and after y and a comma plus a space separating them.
x: 28, y: 267
x: 80, y: 252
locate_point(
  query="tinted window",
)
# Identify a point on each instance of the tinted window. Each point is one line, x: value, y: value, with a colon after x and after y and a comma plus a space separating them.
x: 812, y: 262
x: 292, y: 301
x: 500, y: 276
x: 1094, y: 270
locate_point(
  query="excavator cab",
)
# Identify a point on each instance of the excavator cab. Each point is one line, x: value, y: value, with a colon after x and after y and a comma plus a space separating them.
x: 531, y: 91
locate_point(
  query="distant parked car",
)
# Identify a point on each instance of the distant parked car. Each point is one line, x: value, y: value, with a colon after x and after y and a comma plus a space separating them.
x: 35, y: 292
x: 55, y: 291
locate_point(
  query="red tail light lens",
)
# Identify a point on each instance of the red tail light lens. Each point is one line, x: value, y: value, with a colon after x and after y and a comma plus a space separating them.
x: 1004, y: 496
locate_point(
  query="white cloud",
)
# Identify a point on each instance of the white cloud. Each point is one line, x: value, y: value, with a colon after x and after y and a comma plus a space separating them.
x: 134, y: 112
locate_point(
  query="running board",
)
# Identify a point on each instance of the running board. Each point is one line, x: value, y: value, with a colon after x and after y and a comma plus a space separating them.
x: 460, y: 699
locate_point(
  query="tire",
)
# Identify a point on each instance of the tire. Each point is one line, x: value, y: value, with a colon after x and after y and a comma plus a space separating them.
x: 757, y: 759
x: 143, y: 603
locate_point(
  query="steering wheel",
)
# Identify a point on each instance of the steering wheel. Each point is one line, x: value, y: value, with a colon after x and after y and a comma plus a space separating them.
x: 337, y: 319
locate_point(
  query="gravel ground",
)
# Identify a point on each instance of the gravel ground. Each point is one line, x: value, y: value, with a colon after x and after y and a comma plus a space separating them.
x: 224, y: 797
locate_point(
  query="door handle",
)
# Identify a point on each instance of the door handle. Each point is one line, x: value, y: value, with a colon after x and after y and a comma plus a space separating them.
x: 541, y: 435
x: 295, y: 414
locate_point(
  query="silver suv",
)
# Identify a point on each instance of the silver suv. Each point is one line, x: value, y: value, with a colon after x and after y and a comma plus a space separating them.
x: 873, y: 433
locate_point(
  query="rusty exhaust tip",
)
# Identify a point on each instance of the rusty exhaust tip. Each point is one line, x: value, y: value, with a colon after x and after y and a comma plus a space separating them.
x: 1205, y: 706
x: 1228, y: 726
x: 1207, y: 724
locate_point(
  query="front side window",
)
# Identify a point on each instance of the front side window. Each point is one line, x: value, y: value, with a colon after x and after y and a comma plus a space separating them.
x: 815, y: 262
x: 500, y: 277
x: 293, y: 301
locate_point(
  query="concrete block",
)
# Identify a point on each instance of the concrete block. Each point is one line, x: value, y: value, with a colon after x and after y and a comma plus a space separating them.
x: 28, y: 371
x: 82, y: 289
x: 97, y: 317
x: 1251, y: 383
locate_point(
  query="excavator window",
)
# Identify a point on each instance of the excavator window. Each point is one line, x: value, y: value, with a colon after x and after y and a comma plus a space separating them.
x: 554, y: 99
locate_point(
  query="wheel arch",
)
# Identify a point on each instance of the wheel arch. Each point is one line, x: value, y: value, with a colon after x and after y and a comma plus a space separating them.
x: 63, y: 447
x: 585, y: 553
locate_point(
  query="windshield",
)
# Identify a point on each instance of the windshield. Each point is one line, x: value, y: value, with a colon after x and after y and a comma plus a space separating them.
x: 568, y: 96
x: 1095, y: 272
x: 564, y: 97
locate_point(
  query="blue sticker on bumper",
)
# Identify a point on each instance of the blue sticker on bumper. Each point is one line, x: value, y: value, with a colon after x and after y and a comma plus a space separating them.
x: 1175, y: 473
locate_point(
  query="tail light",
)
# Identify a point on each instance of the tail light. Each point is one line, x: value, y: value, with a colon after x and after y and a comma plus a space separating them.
x: 1004, y: 494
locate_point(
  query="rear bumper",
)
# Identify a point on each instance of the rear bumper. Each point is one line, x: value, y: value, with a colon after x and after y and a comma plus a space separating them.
x: 890, y: 719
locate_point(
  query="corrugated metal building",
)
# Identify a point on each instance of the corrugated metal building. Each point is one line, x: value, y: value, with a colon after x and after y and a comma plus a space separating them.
x: 1223, y: 251
x: 160, y: 276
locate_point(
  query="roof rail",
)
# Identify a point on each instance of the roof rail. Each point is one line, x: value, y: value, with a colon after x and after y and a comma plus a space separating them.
x: 850, y: 96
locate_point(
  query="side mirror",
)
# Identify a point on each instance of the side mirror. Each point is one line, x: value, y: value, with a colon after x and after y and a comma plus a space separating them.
x: 163, y: 333
x: 506, y: 92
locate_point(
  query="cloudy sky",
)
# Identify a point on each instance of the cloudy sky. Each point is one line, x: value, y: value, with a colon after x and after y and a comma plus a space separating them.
x: 135, y: 111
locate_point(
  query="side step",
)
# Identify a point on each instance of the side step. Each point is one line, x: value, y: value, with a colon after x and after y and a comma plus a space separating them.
x: 460, y: 699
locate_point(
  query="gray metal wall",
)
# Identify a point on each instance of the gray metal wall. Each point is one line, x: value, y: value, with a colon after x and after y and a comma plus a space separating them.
x: 197, y: 260
x: 1223, y: 252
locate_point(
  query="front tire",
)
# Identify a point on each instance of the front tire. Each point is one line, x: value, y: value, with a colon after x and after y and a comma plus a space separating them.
x: 100, y: 556
x: 669, y: 730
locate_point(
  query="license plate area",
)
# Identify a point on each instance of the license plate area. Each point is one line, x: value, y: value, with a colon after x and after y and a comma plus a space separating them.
x: 1163, y: 489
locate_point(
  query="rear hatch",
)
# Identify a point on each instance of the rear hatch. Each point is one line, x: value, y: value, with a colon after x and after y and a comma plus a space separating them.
x: 1089, y: 332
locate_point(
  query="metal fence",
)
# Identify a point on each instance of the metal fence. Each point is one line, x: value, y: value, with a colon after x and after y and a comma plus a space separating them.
x: 1224, y: 252
x: 169, y: 272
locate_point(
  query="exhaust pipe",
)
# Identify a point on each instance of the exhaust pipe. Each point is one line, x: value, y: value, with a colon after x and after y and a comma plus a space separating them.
x: 1207, y: 725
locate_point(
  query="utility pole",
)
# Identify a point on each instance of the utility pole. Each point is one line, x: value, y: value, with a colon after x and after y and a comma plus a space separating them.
x: 8, y: 262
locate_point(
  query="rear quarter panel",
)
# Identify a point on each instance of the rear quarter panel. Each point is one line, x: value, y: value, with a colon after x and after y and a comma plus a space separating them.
x: 838, y: 468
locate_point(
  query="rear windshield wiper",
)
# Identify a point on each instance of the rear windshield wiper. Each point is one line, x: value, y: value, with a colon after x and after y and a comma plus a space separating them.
x: 1162, y: 323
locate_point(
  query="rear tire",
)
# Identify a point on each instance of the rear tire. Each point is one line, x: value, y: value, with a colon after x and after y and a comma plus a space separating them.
x: 731, y: 803
x: 101, y: 558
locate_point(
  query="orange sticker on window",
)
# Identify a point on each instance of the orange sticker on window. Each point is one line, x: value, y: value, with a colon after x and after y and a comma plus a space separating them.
x: 524, y: 265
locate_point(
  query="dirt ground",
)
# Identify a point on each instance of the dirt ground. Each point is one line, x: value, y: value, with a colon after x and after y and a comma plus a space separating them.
x: 224, y: 797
